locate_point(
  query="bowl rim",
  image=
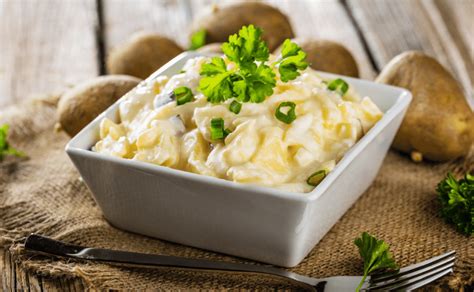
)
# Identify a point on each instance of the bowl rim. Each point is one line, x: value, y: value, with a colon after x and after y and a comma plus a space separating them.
x: 402, y: 102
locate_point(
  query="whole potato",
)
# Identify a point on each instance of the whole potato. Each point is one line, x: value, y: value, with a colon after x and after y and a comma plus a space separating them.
x: 439, y: 123
x: 142, y: 55
x: 224, y: 21
x: 215, y: 48
x: 81, y: 104
x: 327, y: 56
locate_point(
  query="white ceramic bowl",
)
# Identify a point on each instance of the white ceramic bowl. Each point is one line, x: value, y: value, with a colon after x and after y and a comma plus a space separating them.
x: 253, y: 222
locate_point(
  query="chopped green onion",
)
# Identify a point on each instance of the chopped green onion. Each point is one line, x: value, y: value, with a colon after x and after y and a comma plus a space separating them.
x: 288, y: 117
x: 182, y: 71
x: 217, y: 129
x: 227, y: 132
x: 339, y: 86
x: 317, y: 177
x: 183, y: 95
x: 235, y: 107
x: 198, y: 39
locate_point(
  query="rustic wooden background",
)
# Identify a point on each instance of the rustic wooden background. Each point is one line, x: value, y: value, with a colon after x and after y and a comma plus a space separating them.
x: 48, y: 45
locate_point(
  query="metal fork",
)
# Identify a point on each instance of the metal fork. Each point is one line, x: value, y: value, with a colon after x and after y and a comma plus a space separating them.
x: 407, y: 278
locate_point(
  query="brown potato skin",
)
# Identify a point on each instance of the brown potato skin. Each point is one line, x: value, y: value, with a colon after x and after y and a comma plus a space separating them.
x: 327, y: 56
x: 224, y: 21
x: 439, y: 122
x: 81, y: 104
x: 141, y: 55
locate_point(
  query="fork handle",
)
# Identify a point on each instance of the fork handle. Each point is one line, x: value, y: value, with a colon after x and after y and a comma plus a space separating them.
x: 50, y: 246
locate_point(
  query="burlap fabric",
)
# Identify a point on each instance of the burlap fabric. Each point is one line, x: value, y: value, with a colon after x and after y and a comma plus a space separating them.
x: 44, y: 194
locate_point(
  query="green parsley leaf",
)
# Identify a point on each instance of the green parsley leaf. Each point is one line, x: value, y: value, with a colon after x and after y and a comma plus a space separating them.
x: 247, y: 81
x: 292, y: 60
x: 217, y: 66
x: 246, y: 47
x: 198, y: 39
x: 289, y: 116
x: 251, y: 79
x: 261, y: 83
x: 3, y: 137
x: 240, y: 90
x: 457, y: 202
x: 216, y: 83
x: 183, y: 95
x: 5, y: 147
x: 376, y: 255
x: 339, y: 86
x: 235, y: 107
x: 256, y: 84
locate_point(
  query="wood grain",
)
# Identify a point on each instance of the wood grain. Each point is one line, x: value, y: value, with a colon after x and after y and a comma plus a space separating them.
x: 392, y: 27
x: 7, y: 279
x: 458, y: 16
x: 319, y: 19
x: 122, y: 18
x: 46, y: 45
x: 14, y: 278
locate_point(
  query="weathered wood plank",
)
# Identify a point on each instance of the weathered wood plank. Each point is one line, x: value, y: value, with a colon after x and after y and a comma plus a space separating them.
x: 14, y: 278
x: 22, y: 279
x: 62, y: 284
x: 50, y: 285
x: 122, y: 18
x: 392, y: 27
x: 46, y: 45
x: 36, y: 284
x: 319, y: 19
x: 72, y: 284
x: 5, y: 278
x: 458, y: 17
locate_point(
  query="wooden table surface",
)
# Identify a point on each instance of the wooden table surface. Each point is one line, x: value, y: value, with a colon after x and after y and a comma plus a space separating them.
x: 48, y: 45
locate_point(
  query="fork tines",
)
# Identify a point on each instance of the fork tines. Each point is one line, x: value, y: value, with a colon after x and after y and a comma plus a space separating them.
x: 414, y: 276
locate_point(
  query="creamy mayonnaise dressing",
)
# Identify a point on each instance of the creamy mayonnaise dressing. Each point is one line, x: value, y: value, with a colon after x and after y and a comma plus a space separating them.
x: 260, y: 149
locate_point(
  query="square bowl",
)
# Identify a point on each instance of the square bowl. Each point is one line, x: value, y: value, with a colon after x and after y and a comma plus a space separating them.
x: 259, y: 223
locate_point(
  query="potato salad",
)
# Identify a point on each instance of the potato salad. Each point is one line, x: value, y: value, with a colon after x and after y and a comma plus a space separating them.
x: 289, y: 140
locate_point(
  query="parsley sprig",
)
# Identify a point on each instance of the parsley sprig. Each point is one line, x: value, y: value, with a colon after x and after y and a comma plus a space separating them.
x: 376, y: 255
x: 457, y: 202
x: 292, y: 59
x: 251, y: 79
x: 5, y: 147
